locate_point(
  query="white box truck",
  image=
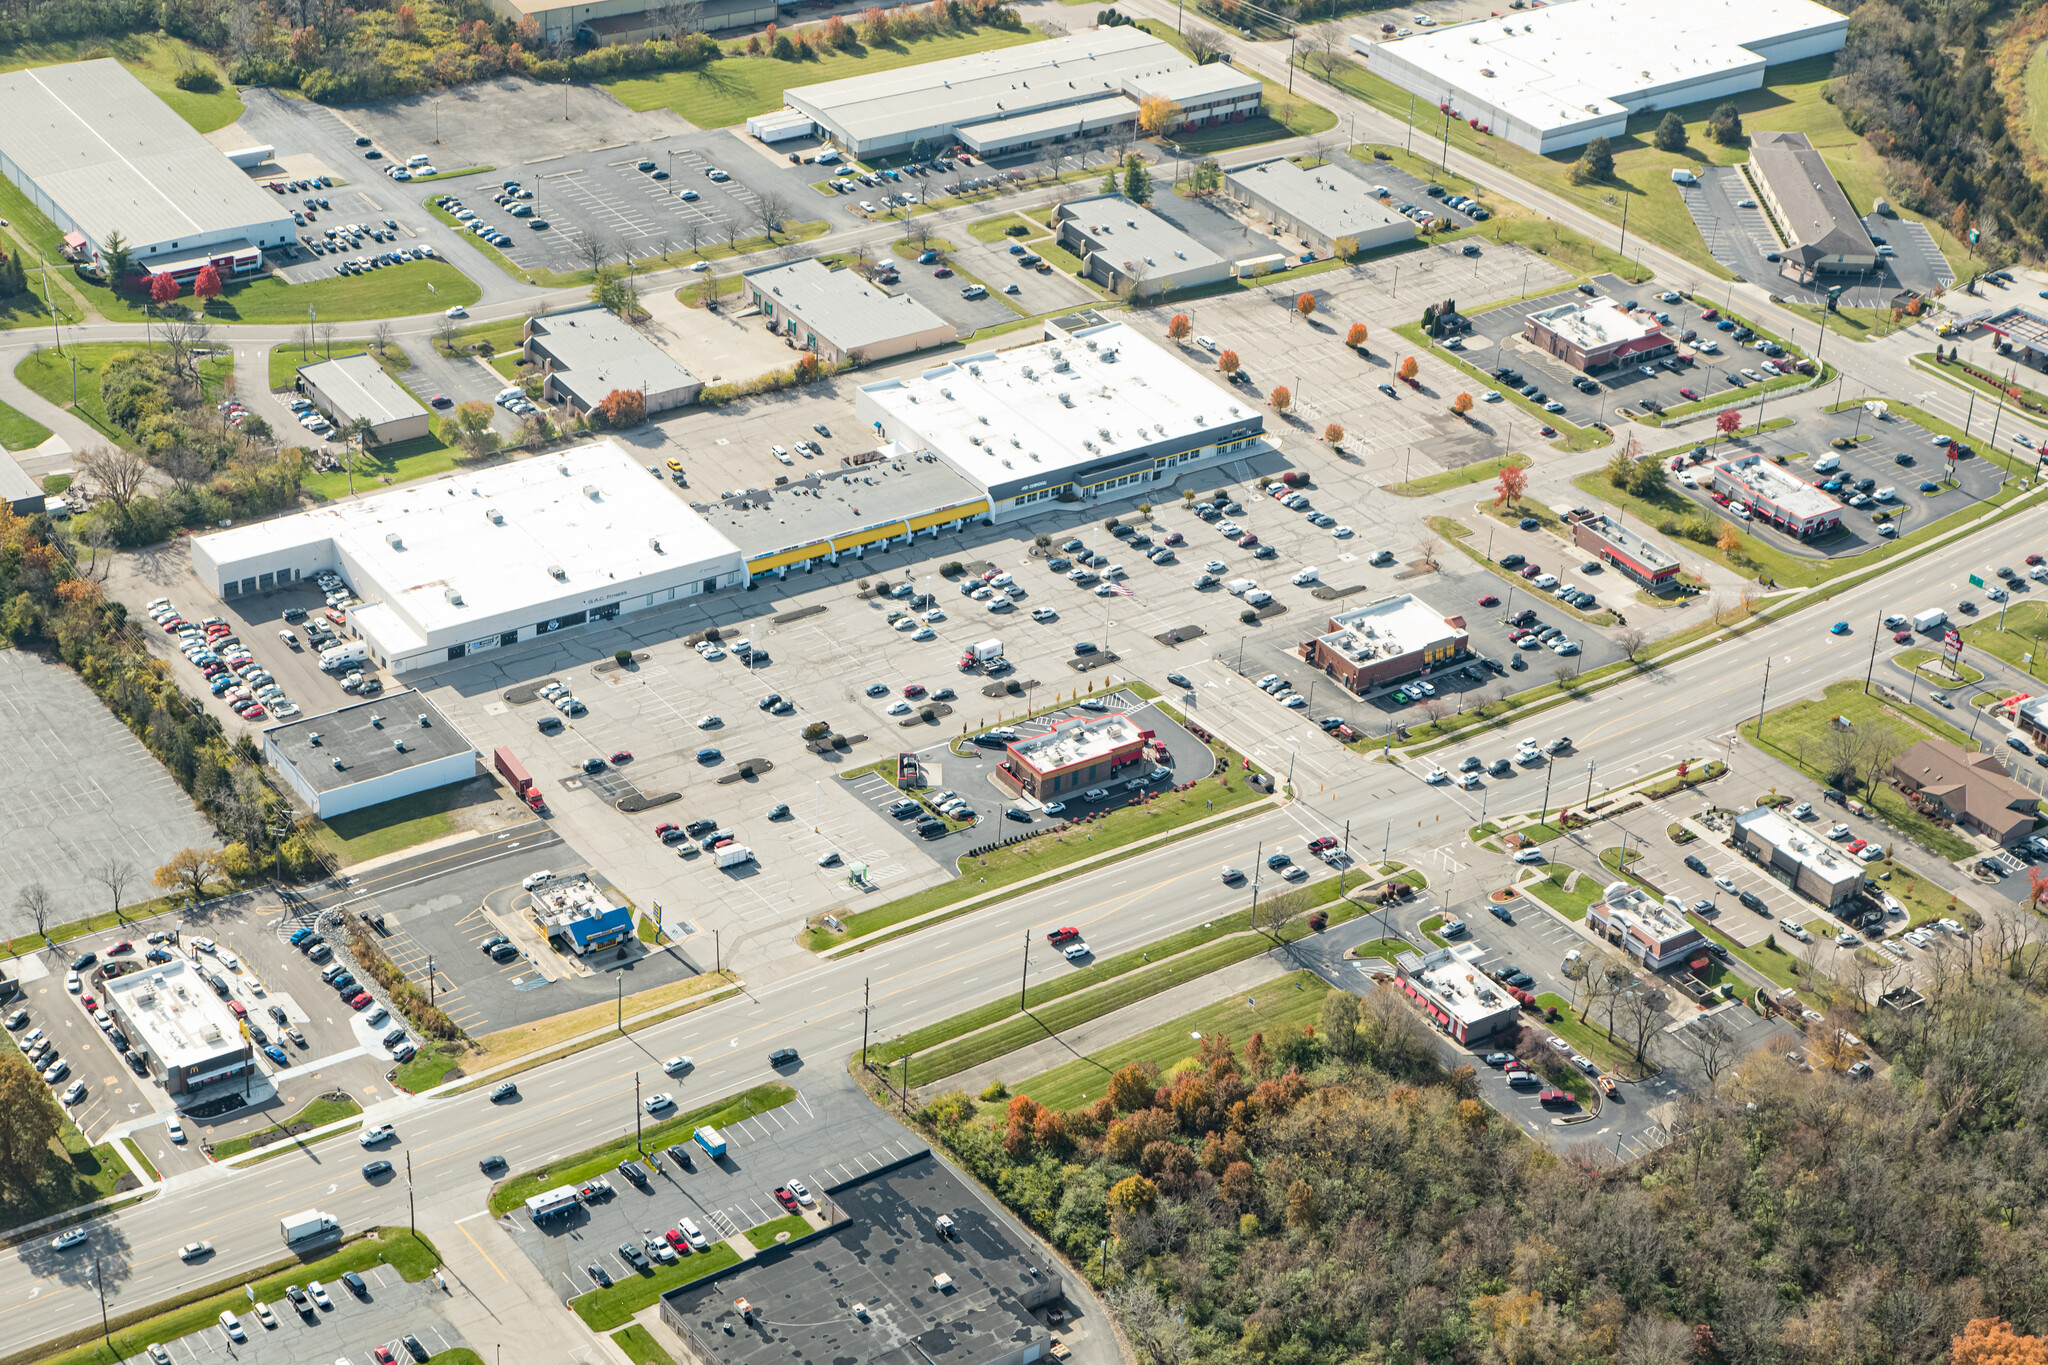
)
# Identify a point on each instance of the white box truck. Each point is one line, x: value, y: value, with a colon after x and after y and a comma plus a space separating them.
x: 732, y: 855
x: 341, y: 656
x: 310, y: 1226
x: 1931, y: 619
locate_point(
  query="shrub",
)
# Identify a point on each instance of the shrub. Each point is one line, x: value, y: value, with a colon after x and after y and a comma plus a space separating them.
x: 623, y: 657
x: 1016, y: 230
x: 200, y: 80
x: 996, y: 1090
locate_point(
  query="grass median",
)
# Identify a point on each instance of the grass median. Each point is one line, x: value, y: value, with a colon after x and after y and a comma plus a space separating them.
x: 763, y: 1235
x: 640, y: 1347
x: 1590, y: 1040
x: 75, y: 1173
x: 1480, y: 471
x: 603, y: 1160
x: 318, y: 1114
x: 1571, y: 904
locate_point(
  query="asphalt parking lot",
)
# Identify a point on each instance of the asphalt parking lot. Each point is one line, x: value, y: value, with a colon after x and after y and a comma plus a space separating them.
x: 943, y: 297
x: 81, y: 790
x: 351, y: 1329
x: 1740, y: 239
x: 1495, y: 341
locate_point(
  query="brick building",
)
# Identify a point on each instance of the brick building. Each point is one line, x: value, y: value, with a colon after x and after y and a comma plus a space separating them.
x: 1778, y: 498
x: 1609, y: 541
x: 1596, y: 334
x: 1385, y: 641
x: 1077, y: 753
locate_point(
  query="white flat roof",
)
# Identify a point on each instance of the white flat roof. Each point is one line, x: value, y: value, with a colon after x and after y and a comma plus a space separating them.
x: 1334, y: 202
x: 472, y: 547
x: 877, y: 106
x: 841, y: 306
x: 1076, y: 741
x: 1455, y: 977
x: 358, y: 386
x: 182, y: 1022
x: 1217, y: 80
x: 1597, y: 325
x: 116, y: 159
x: 1559, y: 65
x: 1042, y: 410
x: 1128, y: 233
x: 1390, y: 627
x: 1787, y: 490
x: 1805, y: 847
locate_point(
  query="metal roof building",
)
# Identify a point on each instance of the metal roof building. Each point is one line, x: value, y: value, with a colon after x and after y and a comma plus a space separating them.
x: 355, y: 386
x: 839, y: 315
x: 97, y: 152
x: 1320, y: 206
x: 587, y: 352
x: 1820, y: 225
x: 1129, y: 249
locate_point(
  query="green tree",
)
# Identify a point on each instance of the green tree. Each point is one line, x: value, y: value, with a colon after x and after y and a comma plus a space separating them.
x: 1597, y: 161
x: 1725, y: 125
x: 29, y: 1122
x: 1670, y: 134
x: 1338, y: 1024
x: 1137, y: 179
x: 118, y: 257
x: 1621, y: 468
x: 1649, y: 478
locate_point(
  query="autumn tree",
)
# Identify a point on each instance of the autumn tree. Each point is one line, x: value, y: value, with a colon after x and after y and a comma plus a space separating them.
x: 1509, y: 487
x: 29, y: 1122
x: 1333, y: 433
x: 1728, y: 422
x: 1131, y: 1086
x: 1990, y: 1341
x: 1303, y: 1209
x: 189, y: 870
x: 620, y: 409
x: 1227, y: 362
x: 162, y: 289
x: 1133, y: 1194
x: 1180, y: 327
x: 206, y: 285
x: 1409, y: 369
x: 1355, y: 335
x: 1729, y: 542
x: 1344, y: 248
x: 1281, y: 398
x: 1462, y: 404
x: 1305, y: 305
x: 1158, y: 115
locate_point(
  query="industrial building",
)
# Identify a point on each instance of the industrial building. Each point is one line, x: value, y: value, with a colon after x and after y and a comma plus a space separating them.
x: 355, y: 387
x: 1090, y: 412
x: 1656, y: 932
x: 602, y: 22
x: 1015, y: 98
x: 1971, y: 789
x: 176, y: 1021
x: 1799, y: 857
x: 369, y: 753
x: 840, y: 316
x: 19, y: 493
x: 586, y: 353
x: 1597, y: 333
x: 1630, y: 552
x: 1822, y: 231
x: 1132, y: 251
x: 576, y: 913
x: 1323, y: 207
x: 96, y: 151
x: 870, y: 507
x: 1457, y: 995
x: 485, y: 559
x: 1384, y: 641
x: 1077, y: 753
x: 1557, y: 77
x: 1778, y: 497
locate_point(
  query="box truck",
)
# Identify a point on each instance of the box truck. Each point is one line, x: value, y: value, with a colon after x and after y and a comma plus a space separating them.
x: 732, y: 855
x: 711, y: 1140
x: 514, y: 772
x: 338, y: 657
x: 310, y: 1226
x: 984, y: 654
x: 1930, y: 620
x: 561, y: 1199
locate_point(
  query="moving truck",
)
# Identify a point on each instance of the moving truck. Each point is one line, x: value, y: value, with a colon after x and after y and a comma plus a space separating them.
x: 310, y: 1226
x: 711, y: 1140
x: 1929, y: 620
x: 732, y: 855
x: 986, y: 653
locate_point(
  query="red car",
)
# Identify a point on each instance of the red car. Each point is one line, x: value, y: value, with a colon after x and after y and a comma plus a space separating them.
x: 361, y: 1001
x: 1855, y: 845
x: 677, y: 1240
x: 1489, y: 600
x: 88, y: 1002
x: 913, y: 690
x: 1689, y: 395
x: 2036, y: 559
x: 251, y: 712
x: 1531, y: 570
x: 944, y: 272
x: 1546, y: 431
x: 1173, y: 538
x: 1318, y: 845
x: 124, y: 946
x: 785, y: 1198
x: 1063, y: 935
x: 1710, y: 314
x: 442, y: 400
x: 383, y: 1355
x: 663, y: 830
x: 1247, y: 540
x: 1900, y: 637
x: 175, y: 624
x: 622, y: 756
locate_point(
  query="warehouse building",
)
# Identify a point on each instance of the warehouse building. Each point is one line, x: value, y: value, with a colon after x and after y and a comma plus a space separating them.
x: 1655, y: 932
x: 354, y: 388
x: 486, y: 559
x: 1132, y: 251
x: 1456, y: 993
x: 1822, y: 232
x: 1323, y: 206
x: 1799, y: 857
x: 1385, y: 641
x: 1634, y: 555
x: 1094, y: 411
x: 19, y: 493
x: 1017, y: 98
x: 585, y: 353
x: 1077, y: 753
x: 101, y: 155
x: 186, y: 1032
x: 1778, y: 498
x: 1597, y: 333
x: 369, y: 753
x: 1557, y: 77
x: 839, y: 316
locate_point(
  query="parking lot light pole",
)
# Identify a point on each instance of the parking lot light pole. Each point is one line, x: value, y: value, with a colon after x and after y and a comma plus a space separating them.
x: 636, y: 1113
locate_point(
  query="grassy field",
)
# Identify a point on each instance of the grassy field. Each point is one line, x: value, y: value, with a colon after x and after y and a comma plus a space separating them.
x: 2025, y: 624
x: 396, y: 462
x: 48, y: 374
x: 1797, y: 734
x: 640, y: 1347
x: 733, y: 89
x: 1285, y: 115
x: 604, y: 1309
x: 995, y: 229
x: 318, y: 1114
x: 1571, y: 904
x: 285, y: 360
x: 430, y: 1066
x: 396, y: 291
x: 1294, y: 999
x: 411, y: 1255
x: 763, y: 1235
x: 19, y: 431
x: 1590, y: 1038
x: 571, y: 1170
x: 1480, y: 471
x: 155, y: 59
x: 391, y: 825
x: 1790, y: 101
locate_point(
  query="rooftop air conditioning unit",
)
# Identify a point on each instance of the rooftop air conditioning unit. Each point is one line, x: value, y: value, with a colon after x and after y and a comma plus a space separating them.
x: 313, y: 738
x: 1066, y: 400
x: 393, y: 541
x: 337, y: 765
x: 376, y: 721
x: 590, y: 491
x: 654, y: 544
x: 564, y: 468
x: 454, y: 597
x: 424, y: 722
x: 1103, y: 432
x: 558, y: 572
x: 497, y: 517
x: 945, y: 393
x: 399, y: 745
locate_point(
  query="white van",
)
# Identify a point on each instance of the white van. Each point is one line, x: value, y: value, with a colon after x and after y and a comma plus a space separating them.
x: 1827, y: 464
x: 1684, y: 177
x: 420, y: 160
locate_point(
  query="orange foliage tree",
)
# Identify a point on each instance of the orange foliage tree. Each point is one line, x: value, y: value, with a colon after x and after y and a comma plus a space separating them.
x: 1305, y: 305
x: 1990, y: 1341
x: 1227, y: 362
x: 1179, y: 327
x: 1462, y: 404
x: 1409, y: 368
x: 1509, y: 487
x: 1281, y: 398
x: 1356, y: 335
x: 621, y: 408
x: 1333, y: 433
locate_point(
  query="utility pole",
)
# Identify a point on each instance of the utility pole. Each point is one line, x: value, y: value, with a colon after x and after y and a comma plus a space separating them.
x: 1622, y: 248
x: 99, y: 1283
x: 1870, y: 671
x: 1762, y: 698
x: 1024, y: 975
x: 411, y: 1219
x: 430, y: 978
x: 863, y: 1023
x: 636, y: 1113
x: 1346, y: 867
x: 1590, y: 765
x: 621, y: 1021
x: 1549, y: 771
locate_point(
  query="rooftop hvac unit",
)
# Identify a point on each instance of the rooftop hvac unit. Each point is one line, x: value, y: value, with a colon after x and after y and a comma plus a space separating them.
x: 654, y: 544
x: 337, y: 765
x: 1028, y: 372
x: 376, y: 722
x: 1090, y: 341
x: 975, y: 370
x: 1103, y: 432
x: 392, y: 539
x: 454, y: 597
x: 399, y: 745
x: 945, y: 393
x: 424, y: 722
x: 1062, y: 366
x: 1066, y: 400
x: 497, y: 517
x: 984, y: 422
x: 564, y: 467
x: 590, y: 491
x: 558, y: 572
x: 313, y: 738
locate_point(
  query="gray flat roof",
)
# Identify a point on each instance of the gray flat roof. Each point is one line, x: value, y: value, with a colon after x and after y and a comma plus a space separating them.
x: 360, y: 388
x: 1124, y: 231
x: 819, y: 506
x: 596, y: 351
x: 1334, y: 202
x: 365, y: 748
x: 1818, y: 214
x: 884, y: 1257
x: 988, y: 85
x: 116, y: 159
x: 16, y: 486
x: 840, y: 305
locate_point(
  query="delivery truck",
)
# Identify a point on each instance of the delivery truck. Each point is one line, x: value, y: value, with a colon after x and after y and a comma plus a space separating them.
x: 711, y: 1140
x: 1929, y: 621
x: 986, y: 654
x: 310, y: 1226
x: 513, y: 771
x: 733, y: 855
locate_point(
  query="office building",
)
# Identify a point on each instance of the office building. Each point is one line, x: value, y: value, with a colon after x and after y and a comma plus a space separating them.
x: 1323, y: 206
x: 103, y: 157
x: 1777, y: 497
x: 1557, y: 77
x: 1800, y: 858
x: 1597, y: 333
x: 368, y: 753
x: 1132, y: 251
x: 583, y: 354
x: 1385, y: 641
x: 840, y: 316
x: 180, y: 1025
x: 355, y: 388
x: 1822, y: 232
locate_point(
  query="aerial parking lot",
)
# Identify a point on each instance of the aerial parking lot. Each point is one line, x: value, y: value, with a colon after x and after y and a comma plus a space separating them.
x: 387, y: 1319
x: 1738, y: 234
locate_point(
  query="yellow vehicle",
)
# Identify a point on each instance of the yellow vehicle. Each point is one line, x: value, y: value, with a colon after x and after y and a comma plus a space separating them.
x: 675, y: 464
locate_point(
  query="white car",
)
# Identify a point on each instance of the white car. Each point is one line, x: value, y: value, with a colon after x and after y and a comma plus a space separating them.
x: 233, y: 1326
x: 801, y: 1191
x: 458, y: 311
x: 659, y: 1101
x: 898, y: 708
x: 1529, y: 855
x: 64, y: 1241
x: 923, y: 633
x: 1343, y: 533
x: 192, y: 1251
x: 1206, y: 343
x: 1044, y: 614
x: 1802, y: 811
x: 1725, y: 883
x: 1838, y: 831
x: 676, y: 1066
x: 1075, y: 951
x: 370, y: 1137
x: 1435, y: 776
x: 541, y: 878
x: 708, y: 722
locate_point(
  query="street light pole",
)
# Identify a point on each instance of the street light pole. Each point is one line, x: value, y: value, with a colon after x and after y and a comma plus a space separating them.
x: 1761, y: 698
x: 636, y: 1113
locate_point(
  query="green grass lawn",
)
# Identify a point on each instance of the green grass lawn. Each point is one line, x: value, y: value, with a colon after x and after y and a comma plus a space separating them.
x: 604, y: 1309
x: 48, y: 374
x: 733, y: 89
x: 391, y: 825
x: 1961, y: 378
x: 1791, y: 100
x: 572, y: 1170
x: 396, y: 462
x: 411, y: 1255
x: 1590, y: 1038
x: 75, y: 1173
x: 2024, y: 625
x: 449, y: 175
x: 1480, y: 471
x: 1295, y: 998
x: 1571, y: 904
x: 19, y: 431
x: 993, y: 229
x: 1777, y: 966
x: 318, y: 1114
x: 640, y: 1347
x: 430, y: 1066
x: 763, y: 1235
x: 285, y: 360
x: 1797, y: 734
x: 155, y: 59
x: 396, y: 291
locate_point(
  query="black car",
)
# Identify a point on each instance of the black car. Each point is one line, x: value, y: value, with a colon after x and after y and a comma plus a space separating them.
x: 931, y: 829
x: 394, y: 1038
x: 356, y: 1284
x: 634, y: 1257
x: 1521, y: 981
x: 505, y: 1091
x: 137, y: 1063
x: 277, y: 1012
x: 1512, y: 561
x: 779, y: 811
x: 633, y: 1171
x: 597, y: 1275
x: 681, y: 1156
x: 373, y: 1169
x: 1695, y: 864
x: 413, y: 1347
x: 84, y: 960
x: 296, y: 1295
x: 782, y: 1056
x: 1752, y: 900
x: 1083, y: 648
x: 699, y: 827
x: 491, y: 1163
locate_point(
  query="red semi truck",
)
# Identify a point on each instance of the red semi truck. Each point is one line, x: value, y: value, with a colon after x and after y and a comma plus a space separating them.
x: 514, y: 771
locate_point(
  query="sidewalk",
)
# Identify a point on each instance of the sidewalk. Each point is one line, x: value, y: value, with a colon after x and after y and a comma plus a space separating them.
x: 491, y: 1308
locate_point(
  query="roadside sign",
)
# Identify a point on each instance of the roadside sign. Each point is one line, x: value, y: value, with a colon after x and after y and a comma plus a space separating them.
x: 1976, y: 581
